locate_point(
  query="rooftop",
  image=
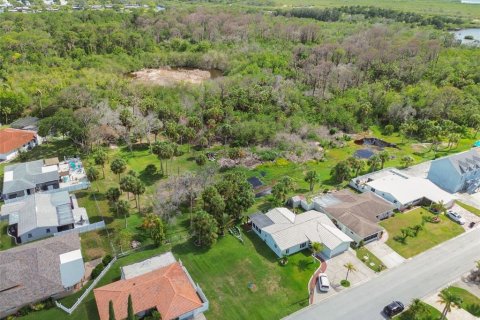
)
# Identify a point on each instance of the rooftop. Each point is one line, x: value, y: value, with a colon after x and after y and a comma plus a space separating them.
x: 39, y: 210
x: 142, y: 267
x: 358, y: 212
x: 289, y: 229
x: 464, y: 162
x: 168, y: 289
x: 13, y: 139
x: 27, y: 175
x: 31, y: 272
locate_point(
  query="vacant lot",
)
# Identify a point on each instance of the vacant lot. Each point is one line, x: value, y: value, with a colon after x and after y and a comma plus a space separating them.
x: 170, y: 77
x: 431, y: 235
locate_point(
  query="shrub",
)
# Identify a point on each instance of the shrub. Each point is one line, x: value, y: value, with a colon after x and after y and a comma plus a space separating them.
x: 106, y: 260
x: 201, y: 159
x: 388, y: 129
x: 97, y: 270
x: 333, y: 131
x: 151, y: 169
x: 345, y: 283
x: 268, y: 155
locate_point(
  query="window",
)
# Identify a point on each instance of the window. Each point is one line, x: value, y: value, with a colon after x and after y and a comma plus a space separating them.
x: 29, y: 235
x: 303, y: 245
x: 48, y: 230
x: 275, y: 246
x: 287, y: 251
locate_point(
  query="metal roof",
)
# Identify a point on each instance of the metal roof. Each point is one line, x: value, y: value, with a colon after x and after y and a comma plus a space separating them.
x: 27, y: 175
x: 261, y: 220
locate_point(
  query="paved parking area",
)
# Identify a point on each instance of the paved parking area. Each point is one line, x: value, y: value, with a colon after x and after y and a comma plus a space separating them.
x: 336, y: 272
x: 386, y: 254
x: 470, y: 217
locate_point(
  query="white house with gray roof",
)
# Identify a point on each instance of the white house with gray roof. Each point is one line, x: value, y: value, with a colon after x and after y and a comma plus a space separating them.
x: 41, y: 215
x: 286, y: 232
x: 49, y: 175
x: 457, y: 173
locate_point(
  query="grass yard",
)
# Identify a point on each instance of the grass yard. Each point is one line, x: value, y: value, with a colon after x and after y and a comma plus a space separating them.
x: 469, y: 208
x: 363, y: 252
x: 6, y: 242
x: 430, y: 313
x: 471, y: 303
x: 224, y: 273
x: 431, y: 235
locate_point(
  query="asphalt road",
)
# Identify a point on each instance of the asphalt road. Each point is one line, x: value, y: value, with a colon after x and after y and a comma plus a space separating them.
x: 415, y: 278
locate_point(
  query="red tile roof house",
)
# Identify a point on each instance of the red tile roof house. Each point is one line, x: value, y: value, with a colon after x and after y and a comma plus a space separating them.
x: 14, y: 140
x: 160, y: 283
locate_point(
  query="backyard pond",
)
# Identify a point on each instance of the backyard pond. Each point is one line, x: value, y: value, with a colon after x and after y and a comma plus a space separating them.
x: 469, y: 36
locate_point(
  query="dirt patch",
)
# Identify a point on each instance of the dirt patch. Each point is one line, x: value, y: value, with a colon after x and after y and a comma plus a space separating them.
x: 271, y: 285
x: 421, y: 147
x: 169, y: 77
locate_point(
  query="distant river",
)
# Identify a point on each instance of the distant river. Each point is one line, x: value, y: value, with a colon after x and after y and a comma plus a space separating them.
x: 474, y: 32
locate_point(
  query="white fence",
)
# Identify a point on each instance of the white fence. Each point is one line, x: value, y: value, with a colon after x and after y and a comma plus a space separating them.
x: 82, y: 229
x: 89, y: 289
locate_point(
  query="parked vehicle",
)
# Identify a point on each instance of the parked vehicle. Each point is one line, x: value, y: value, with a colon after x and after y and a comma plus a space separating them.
x: 456, y: 217
x: 393, y: 308
x: 322, y: 282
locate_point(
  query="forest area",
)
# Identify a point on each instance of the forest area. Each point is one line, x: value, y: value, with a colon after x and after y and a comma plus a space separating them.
x: 279, y: 94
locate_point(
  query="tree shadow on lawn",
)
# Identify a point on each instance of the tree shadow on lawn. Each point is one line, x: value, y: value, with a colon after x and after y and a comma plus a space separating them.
x: 150, y: 177
x: 303, y: 264
x: 189, y: 247
x: 261, y: 247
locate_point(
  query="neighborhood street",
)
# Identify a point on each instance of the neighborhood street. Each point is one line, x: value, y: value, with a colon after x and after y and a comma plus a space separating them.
x: 415, y: 278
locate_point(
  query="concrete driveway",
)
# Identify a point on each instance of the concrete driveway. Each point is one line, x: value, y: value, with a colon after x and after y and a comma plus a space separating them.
x: 386, y: 254
x: 470, y: 217
x: 336, y: 272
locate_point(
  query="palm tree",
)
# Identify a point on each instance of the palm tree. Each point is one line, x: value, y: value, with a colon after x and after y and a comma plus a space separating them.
x: 417, y: 308
x: 356, y: 164
x: 374, y: 161
x: 311, y: 177
x: 317, y: 247
x: 384, y: 156
x: 407, y: 161
x: 449, y: 299
x: 350, y: 268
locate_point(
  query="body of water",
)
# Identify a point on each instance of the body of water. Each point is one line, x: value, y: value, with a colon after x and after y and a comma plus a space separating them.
x: 473, y: 32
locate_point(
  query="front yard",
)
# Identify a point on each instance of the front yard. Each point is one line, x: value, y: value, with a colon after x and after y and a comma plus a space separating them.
x: 470, y: 302
x: 369, y: 259
x: 431, y: 235
x: 224, y: 273
x: 430, y: 313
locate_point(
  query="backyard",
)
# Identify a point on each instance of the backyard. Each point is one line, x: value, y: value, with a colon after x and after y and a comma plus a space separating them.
x: 224, y: 273
x: 431, y: 235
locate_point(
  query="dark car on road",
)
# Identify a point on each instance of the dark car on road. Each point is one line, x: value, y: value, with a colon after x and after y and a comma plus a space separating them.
x: 393, y: 308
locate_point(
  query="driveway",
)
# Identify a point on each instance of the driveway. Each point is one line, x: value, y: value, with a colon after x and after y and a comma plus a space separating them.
x: 470, y: 217
x: 336, y: 272
x: 386, y: 254
x: 418, y: 277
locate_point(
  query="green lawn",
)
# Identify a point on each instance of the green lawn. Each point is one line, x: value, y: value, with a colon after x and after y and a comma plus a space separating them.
x: 471, y: 303
x: 362, y: 252
x: 224, y: 273
x: 430, y: 313
x: 431, y: 235
x: 6, y: 242
x: 469, y: 208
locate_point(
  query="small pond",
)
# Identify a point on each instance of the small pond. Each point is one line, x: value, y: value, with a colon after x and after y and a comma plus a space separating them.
x: 364, y: 153
x: 472, y: 34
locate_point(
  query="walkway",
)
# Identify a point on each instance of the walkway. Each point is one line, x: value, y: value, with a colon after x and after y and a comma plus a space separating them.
x: 386, y: 254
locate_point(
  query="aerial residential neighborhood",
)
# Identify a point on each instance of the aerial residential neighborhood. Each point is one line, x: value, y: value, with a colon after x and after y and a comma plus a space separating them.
x: 277, y: 159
